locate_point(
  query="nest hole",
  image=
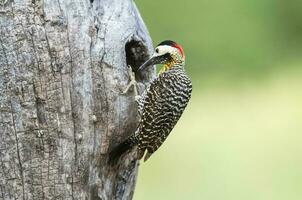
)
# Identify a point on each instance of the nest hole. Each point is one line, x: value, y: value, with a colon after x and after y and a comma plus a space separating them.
x: 136, y: 54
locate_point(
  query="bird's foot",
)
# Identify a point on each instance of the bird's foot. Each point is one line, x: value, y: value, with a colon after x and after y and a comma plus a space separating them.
x: 132, y: 83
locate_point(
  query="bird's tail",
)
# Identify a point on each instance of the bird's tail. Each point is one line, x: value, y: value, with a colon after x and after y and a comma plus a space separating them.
x: 118, y: 151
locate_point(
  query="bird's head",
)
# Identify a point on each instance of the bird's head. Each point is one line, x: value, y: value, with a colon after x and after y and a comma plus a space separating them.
x: 168, y: 53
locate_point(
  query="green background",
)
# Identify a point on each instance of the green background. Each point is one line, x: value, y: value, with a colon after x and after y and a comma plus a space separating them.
x: 240, y: 136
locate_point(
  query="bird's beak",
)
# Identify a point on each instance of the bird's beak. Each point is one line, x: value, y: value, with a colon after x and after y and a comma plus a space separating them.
x: 152, y: 61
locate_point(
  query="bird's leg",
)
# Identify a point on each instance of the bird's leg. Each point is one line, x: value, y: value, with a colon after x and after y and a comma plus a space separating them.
x: 132, y: 83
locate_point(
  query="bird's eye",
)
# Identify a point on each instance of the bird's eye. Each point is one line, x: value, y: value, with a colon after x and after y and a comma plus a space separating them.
x: 156, y: 50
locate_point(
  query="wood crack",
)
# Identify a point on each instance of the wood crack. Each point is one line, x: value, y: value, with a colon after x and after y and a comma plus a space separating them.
x: 18, y: 149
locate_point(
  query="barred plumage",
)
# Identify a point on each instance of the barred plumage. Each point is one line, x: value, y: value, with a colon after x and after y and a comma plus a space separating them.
x: 161, y: 105
x: 164, y: 103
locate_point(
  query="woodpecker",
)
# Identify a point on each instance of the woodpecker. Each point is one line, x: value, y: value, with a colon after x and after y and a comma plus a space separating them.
x: 162, y: 103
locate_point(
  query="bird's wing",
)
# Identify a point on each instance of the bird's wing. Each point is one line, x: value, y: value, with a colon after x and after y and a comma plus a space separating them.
x: 164, y: 103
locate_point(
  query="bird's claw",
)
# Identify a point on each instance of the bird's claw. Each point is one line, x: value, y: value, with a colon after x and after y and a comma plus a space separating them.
x: 132, y: 82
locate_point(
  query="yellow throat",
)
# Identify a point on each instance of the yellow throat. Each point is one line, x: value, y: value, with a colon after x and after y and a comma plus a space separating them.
x: 166, y: 67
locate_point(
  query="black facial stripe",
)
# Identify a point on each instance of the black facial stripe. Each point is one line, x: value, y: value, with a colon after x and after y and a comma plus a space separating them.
x: 164, y: 58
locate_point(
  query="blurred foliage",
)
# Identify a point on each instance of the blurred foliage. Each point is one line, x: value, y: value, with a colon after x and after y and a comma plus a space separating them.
x: 240, y: 137
x: 231, y: 38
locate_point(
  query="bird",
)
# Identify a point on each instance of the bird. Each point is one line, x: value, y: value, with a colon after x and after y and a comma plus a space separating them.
x: 161, y: 104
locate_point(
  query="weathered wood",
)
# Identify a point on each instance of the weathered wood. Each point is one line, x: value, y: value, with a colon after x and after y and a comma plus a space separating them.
x: 63, y: 65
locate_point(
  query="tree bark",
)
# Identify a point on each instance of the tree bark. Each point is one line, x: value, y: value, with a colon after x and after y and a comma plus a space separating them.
x: 63, y: 65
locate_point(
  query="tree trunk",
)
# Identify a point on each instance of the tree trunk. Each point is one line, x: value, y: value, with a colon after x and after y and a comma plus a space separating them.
x: 63, y: 65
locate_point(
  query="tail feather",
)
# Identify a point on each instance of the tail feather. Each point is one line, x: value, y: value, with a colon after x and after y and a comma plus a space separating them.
x: 118, y: 151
